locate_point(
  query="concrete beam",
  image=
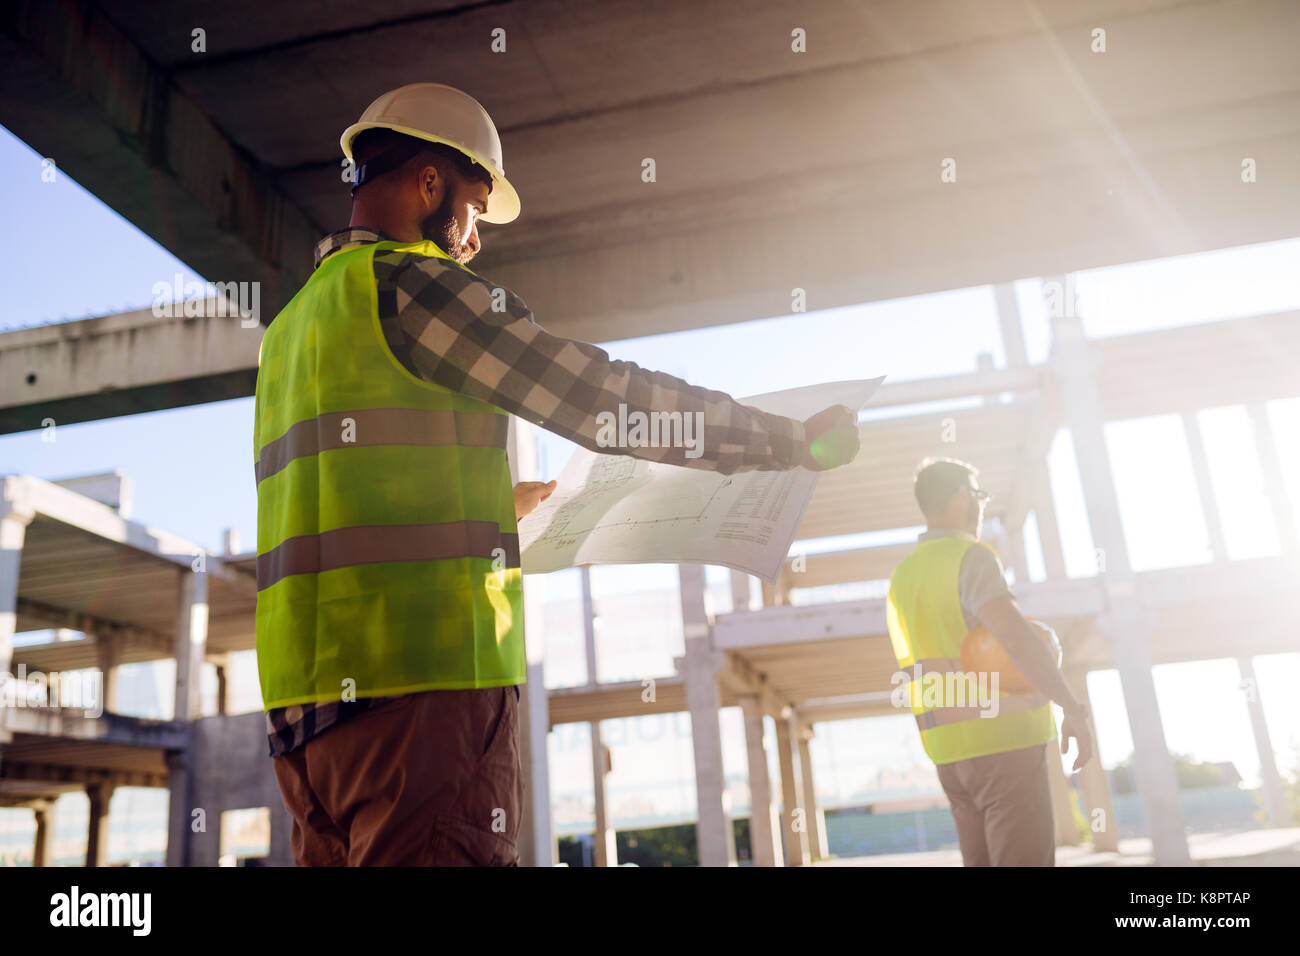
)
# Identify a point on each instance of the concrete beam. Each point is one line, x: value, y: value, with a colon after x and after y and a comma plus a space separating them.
x: 93, y: 517
x: 106, y: 729
x: 62, y: 775
x: 131, y: 136
x: 123, y: 364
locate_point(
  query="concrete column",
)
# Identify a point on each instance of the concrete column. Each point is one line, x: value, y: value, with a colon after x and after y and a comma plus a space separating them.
x: 1016, y: 556
x: 796, y: 840
x: 764, y: 820
x: 1274, y: 483
x: 101, y: 795
x: 814, y: 817
x: 1013, y: 336
x: 739, y: 592
x: 1049, y: 532
x: 43, y: 845
x: 191, y: 642
x: 1039, y: 488
x: 1098, y: 806
x: 1062, y: 814
x: 589, y: 624
x: 1127, y: 623
x: 1205, y: 488
x: 700, y: 665
x: 604, y: 844
x: 1279, y: 812
x: 14, y: 517
x: 180, y: 807
x: 223, y: 689
x: 106, y: 659
x: 537, y: 843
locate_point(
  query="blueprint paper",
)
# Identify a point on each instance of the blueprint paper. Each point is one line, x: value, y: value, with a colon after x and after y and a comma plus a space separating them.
x: 616, y: 509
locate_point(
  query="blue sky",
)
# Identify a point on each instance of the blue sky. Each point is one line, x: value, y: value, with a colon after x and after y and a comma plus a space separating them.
x: 192, y: 467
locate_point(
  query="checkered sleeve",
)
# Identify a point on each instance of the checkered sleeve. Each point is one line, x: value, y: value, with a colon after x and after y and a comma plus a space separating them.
x: 481, y: 340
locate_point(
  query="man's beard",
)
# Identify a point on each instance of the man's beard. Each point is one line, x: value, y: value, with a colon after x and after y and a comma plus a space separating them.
x: 440, y: 226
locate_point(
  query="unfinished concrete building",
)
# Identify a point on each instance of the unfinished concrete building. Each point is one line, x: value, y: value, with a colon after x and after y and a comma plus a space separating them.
x: 1064, y: 158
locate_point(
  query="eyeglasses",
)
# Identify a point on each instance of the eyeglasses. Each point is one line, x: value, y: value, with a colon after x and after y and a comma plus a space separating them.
x: 979, y: 494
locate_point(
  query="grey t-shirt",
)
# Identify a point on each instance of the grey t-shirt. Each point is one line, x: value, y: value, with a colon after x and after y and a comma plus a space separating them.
x: 980, y: 579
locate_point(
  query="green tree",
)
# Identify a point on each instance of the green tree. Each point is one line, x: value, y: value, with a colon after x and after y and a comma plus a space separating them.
x: 1191, y: 774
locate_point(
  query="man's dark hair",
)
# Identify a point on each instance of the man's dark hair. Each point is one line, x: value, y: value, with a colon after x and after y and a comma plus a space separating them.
x: 381, y: 150
x: 937, y: 479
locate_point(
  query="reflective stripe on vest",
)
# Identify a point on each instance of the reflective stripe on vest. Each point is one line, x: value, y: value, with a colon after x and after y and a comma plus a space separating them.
x: 956, y: 713
x: 926, y: 627
x: 388, y: 552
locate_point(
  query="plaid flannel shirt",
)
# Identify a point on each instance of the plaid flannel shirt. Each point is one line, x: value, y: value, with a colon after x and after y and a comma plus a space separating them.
x: 450, y: 327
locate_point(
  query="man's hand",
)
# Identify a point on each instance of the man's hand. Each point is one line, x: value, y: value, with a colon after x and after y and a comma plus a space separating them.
x: 530, y: 494
x: 832, y: 438
x: 1075, y: 726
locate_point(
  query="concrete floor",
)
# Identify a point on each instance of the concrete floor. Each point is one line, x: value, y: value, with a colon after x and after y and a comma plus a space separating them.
x: 1270, y: 847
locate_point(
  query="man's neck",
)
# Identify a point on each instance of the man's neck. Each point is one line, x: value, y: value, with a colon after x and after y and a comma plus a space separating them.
x: 364, y: 220
x: 936, y: 529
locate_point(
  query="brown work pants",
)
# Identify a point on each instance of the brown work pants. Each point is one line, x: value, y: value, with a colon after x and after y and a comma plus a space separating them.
x: 427, y: 779
x: 1002, y: 805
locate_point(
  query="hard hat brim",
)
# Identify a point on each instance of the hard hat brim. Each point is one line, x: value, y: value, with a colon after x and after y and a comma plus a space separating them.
x: 503, y: 201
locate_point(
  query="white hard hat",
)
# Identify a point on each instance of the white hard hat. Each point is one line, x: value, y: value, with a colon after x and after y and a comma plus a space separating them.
x: 443, y: 114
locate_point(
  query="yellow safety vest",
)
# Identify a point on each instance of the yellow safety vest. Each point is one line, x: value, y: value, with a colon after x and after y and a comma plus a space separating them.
x: 387, y: 547
x: 926, y: 627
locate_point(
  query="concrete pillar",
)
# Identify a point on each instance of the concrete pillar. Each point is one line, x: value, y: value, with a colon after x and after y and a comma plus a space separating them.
x: 1127, y: 623
x: 14, y: 518
x: 1205, y: 488
x: 764, y: 820
x: 1016, y: 556
x: 1038, y: 484
x: 1274, y: 483
x: 43, y: 844
x: 739, y: 592
x: 1099, y: 810
x: 1049, y: 532
x: 814, y: 817
x: 1062, y: 814
x: 223, y: 689
x: 1013, y: 336
x: 106, y: 659
x: 180, y: 807
x: 604, y: 844
x: 191, y: 642
x: 1279, y: 812
x: 537, y: 843
x: 794, y: 829
x: 700, y: 665
x: 101, y: 795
